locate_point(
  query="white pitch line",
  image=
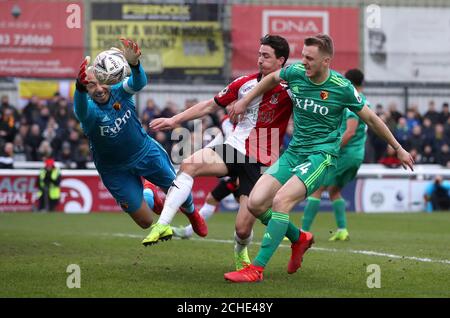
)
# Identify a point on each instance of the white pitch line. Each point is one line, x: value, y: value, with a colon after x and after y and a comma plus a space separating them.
x: 324, y: 249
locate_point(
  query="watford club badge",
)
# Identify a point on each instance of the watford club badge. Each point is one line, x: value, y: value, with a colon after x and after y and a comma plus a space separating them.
x: 324, y: 95
x: 117, y: 106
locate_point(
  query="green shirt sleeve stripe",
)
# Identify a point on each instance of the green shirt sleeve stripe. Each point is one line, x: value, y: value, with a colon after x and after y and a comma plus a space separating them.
x: 338, y: 81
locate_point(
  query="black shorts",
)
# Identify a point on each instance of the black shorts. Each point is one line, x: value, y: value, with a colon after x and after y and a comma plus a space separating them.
x: 226, y: 186
x: 248, y: 170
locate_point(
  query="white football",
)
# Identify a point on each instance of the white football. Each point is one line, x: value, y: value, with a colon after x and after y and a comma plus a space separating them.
x: 110, y: 67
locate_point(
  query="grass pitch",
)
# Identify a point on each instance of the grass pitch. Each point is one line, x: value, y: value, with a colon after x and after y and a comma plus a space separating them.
x: 412, y: 250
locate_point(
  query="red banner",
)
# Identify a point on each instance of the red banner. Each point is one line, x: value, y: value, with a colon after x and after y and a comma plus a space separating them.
x: 250, y: 23
x: 41, y: 38
x: 79, y: 193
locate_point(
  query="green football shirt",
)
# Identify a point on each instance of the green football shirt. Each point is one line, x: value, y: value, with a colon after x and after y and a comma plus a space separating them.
x: 319, y: 110
x: 356, y: 144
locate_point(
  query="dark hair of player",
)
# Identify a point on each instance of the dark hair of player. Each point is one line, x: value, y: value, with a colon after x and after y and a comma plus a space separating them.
x: 355, y: 76
x: 279, y: 44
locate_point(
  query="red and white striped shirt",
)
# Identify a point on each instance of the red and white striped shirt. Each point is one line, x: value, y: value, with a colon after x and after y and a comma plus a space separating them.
x: 260, y: 133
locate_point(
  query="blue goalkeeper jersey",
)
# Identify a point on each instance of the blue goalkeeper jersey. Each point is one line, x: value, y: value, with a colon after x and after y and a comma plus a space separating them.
x: 117, y: 139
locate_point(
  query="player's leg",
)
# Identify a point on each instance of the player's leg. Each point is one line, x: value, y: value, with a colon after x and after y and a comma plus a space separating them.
x: 41, y: 202
x: 223, y: 189
x: 203, y: 162
x: 275, y: 231
x: 348, y: 168
x: 181, y: 187
x: 292, y: 192
x: 338, y: 204
x: 157, y: 167
x: 126, y: 189
x: 142, y: 216
x: 262, y: 194
x: 151, y: 196
x: 311, y: 209
x: 243, y: 234
x: 206, y: 211
x: 308, y: 177
x: 52, y: 205
x: 249, y: 174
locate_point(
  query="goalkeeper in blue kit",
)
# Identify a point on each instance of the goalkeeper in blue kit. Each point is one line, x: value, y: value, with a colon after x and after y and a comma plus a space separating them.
x: 123, y: 152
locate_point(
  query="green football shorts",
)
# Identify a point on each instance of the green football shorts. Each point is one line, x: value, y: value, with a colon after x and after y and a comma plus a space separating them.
x: 345, y: 171
x: 311, y: 169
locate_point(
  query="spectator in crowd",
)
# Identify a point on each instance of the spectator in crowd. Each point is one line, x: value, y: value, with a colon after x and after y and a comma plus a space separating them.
x: 379, y: 110
x: 389, y: 120
x: 427, y: 131
x: 445, y: 114
x: 164, y: 140
x: 50, y: 130
x: 170, y: 110
x: 401, y: 132
x: 416, y: 139
x: 31, y: 111
x: 32, y: 142
x: 7, y: 125
x: 428, y: 156
x: 74, y: 140
x: 19, y: 149
x: 49, y: 180
x: 7, y: 156
x: 150, y: 112
x: 415, y: 109
x: 188, y: 103
x: 52, y: 104
x: 415, y: 154
x: 411, y: 119
x: 431, y: 113
x: 5, y: 104
x: 65, y: 156
x: 390, y: 160
x: 83, y: 154
x: 44, y: 115
x: 443, y: 156
x: 394, y: 113
x: 24, y: 130
x: 437, y: 196
x: 64, y: 113
x: 439, y: 137
x: 378, y: 145
x: 45, y: 150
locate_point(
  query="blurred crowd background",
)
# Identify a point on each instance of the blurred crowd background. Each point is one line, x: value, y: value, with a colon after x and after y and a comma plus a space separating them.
x: 48, y: 128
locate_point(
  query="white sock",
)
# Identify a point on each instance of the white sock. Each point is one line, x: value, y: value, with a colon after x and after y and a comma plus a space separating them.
x: 176, y: 196
x: 206, y: 212
x: 189, y: 231
x: 240, y: 244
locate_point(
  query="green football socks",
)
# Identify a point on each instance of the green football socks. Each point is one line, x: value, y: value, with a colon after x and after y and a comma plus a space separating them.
x: 310, y: 212
x: 339, y: 213
x: 292, y: 233
x: 275, y: 231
